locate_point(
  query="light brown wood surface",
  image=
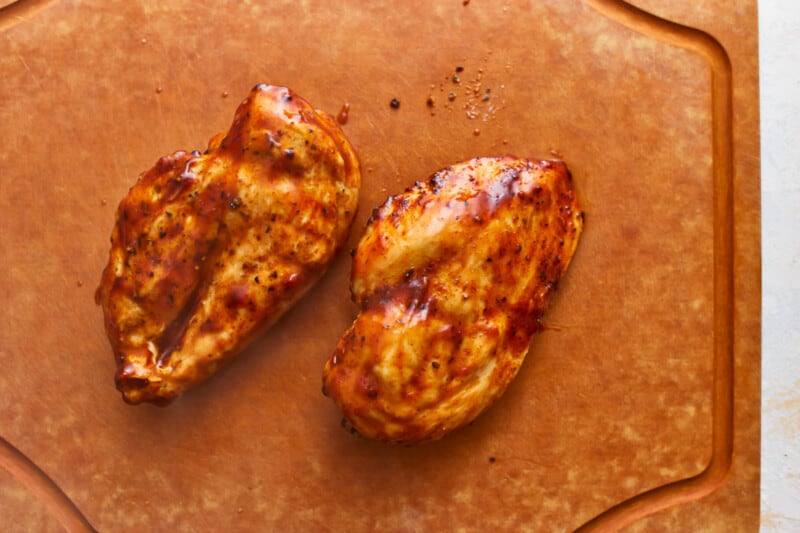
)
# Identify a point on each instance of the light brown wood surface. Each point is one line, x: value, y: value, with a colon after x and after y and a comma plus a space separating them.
x: 638, y: 403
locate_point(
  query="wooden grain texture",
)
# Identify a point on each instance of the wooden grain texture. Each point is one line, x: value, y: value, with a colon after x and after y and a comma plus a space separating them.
x: 620, y: 394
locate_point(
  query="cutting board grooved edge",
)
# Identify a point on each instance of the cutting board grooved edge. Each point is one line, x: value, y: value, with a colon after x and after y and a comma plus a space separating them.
x: 20, y: 11
x: 38, y: 483
x: 716, y: 472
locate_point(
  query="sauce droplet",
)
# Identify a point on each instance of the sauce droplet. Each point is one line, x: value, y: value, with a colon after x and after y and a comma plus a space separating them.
x: 395, y: 103
x: 343, y: 115
x: 237, y: 297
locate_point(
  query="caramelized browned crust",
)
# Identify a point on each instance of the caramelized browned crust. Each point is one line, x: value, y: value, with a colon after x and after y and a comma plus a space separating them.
x: 451, y: 278
x: 210, y: 249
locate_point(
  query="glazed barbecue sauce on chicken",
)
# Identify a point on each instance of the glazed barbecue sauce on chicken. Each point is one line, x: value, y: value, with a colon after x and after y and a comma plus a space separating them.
x: 451, y: 278
x: 209, y: 249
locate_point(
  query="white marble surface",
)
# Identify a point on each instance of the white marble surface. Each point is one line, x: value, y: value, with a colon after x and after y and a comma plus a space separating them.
x: 779, y: 57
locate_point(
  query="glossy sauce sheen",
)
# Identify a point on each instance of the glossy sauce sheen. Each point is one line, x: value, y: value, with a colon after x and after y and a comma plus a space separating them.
x: 208, y: 250
x: 452, y: 278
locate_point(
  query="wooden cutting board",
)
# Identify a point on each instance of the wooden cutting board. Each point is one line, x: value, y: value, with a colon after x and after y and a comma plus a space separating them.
x: 638, y: 405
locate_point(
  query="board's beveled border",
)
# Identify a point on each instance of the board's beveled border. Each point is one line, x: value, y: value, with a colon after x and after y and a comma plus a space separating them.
x: 40, y: 485
x: 20, y: 11
x: 716, y: 471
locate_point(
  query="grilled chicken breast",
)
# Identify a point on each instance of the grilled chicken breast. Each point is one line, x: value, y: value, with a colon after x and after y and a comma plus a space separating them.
x: 208, y: 250
x: 451, y: 279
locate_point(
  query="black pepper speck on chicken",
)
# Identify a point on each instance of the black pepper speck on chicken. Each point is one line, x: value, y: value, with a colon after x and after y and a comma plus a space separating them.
x: 451, y: 278
x: 210, y: 249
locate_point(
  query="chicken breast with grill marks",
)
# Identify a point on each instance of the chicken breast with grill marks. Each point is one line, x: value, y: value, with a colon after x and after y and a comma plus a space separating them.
x: 451, y: 278
x: 210, y: 249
